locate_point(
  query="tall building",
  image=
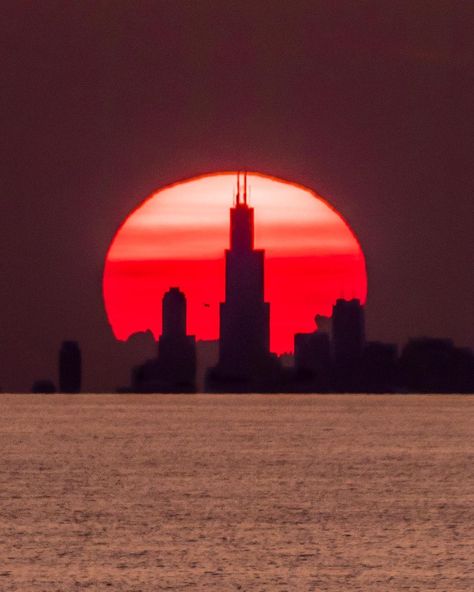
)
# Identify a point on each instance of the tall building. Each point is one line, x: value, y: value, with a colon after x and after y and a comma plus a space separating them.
x: 176, y: 349
x: 245, y: 362
x: 348, y: 337
x: 70, y: 367
x: 174, y: 369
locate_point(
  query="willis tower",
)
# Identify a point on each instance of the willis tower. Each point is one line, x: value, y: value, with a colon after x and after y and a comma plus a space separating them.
x: 245, y: 362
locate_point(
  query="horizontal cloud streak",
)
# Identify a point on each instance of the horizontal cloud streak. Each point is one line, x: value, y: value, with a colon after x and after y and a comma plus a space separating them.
x: 177, y: 238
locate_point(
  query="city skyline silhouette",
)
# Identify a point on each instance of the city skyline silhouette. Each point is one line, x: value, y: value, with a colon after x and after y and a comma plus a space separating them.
x: 237, y: 296
x: 335, y: 357
x: 367, y: 107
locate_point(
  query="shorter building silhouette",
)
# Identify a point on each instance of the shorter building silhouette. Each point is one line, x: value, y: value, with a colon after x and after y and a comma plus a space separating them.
x: 43, y: 386
x: 378, y: 372
x: 335, y: 357
x: 70, y: 367
x: 348, y: 341
x: 430, y: 365
x: 348, y: 364
x: 174, y: 368
x: 313, y: 361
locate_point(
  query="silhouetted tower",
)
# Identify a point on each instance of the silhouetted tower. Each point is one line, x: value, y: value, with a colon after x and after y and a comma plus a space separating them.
x: 70, y: 367
x: 174, y: 369
x: 244, y: 344
x: 348, y: 330
x: 176, y: 350
x: 244, y: 316
x: 348, y: 333
x: 173, y: 314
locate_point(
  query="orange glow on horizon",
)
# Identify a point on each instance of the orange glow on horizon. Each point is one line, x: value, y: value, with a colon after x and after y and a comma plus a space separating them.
x: 177, y: 237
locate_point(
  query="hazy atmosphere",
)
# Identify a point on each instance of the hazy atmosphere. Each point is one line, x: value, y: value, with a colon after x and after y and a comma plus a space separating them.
x: 368, y: 104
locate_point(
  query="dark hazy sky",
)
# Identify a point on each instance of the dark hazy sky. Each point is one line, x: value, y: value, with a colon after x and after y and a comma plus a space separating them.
x: 367, y: 102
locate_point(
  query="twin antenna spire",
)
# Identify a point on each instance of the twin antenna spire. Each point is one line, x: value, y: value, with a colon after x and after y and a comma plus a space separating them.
x: 241, y: 196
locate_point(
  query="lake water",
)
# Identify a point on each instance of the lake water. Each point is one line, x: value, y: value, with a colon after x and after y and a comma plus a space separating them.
x: 265, y: 493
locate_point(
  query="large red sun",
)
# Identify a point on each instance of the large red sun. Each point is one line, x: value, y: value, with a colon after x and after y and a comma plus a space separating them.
x: 177, y: 237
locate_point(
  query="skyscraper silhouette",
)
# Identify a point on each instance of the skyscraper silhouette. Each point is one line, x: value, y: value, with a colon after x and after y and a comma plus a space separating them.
x: 174, y: 370
x: 245, y: 362
x: 176, y: 349
x: 70, y: 367
x: 348, y: 333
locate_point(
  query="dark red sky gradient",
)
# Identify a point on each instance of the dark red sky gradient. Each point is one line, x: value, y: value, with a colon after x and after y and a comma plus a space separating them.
x: 368, y: 103
x: 177, y: 237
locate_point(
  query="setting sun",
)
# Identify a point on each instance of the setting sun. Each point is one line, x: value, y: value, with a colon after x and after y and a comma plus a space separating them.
x: 177, y: 237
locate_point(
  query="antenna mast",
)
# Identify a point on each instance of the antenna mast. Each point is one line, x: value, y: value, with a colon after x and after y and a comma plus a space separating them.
x: 237, y: 195
x: 242, y: 192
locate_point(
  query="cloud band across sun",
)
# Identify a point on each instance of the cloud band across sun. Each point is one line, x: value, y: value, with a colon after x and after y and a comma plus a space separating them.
x: 177, y: 237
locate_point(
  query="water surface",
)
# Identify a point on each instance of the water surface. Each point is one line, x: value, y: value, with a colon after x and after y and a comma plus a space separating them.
x: 265, y: 493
